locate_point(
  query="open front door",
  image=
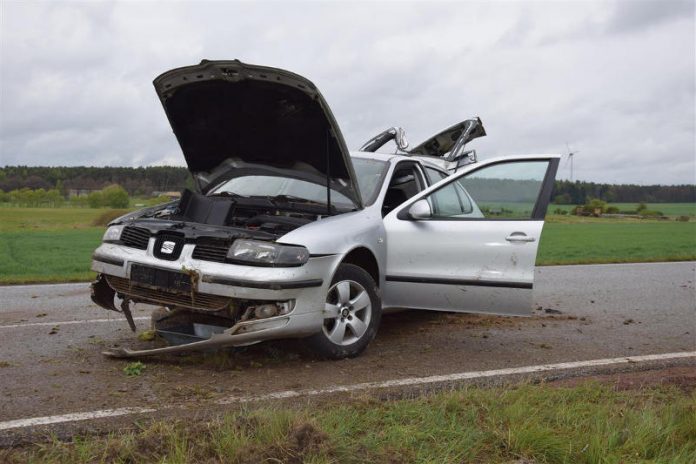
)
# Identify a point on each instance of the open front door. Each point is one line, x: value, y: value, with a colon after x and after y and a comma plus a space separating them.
x: 469, y: 242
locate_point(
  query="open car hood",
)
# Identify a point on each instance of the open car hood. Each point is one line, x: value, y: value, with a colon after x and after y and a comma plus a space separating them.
x: 254, y: 115
x: 444, y: 142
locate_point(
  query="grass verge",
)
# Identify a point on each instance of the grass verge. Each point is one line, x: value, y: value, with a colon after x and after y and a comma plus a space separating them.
x: 589, y: 423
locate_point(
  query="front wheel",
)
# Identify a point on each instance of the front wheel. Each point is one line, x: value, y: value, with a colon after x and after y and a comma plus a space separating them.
x: 352, y: 312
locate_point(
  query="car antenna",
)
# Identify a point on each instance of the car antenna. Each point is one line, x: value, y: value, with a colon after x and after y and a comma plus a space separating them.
x: 328, y: 176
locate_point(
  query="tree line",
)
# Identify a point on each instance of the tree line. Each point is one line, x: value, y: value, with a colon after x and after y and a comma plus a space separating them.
x: 143, y: 181
x: 112, y: 196
x: 136, y: 181
x: 579, y: 193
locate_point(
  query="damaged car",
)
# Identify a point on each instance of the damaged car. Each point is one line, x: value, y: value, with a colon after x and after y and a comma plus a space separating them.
x: 288, y: 234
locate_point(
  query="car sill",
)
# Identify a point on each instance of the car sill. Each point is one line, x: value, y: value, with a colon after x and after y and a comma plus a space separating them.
x: 445, y: 281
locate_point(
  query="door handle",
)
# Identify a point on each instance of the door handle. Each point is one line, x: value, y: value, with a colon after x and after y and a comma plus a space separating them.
x: 519, y: 237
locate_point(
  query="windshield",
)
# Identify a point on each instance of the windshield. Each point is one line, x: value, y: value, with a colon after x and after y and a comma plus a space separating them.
x: 370, y: 173
x: 274, y: 186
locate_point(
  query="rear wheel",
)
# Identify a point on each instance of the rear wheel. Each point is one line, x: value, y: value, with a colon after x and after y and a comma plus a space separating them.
x: 352, y: 312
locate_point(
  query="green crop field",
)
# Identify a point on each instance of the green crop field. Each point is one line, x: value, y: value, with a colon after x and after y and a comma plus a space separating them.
x: 48, y: 244
x: 55, y: 244
x: 616, y: 242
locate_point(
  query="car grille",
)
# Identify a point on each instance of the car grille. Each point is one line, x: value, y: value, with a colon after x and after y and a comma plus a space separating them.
x: 192, y: 300
x: 211, y: 251
x: 135, y: 237
x: 176, y: 241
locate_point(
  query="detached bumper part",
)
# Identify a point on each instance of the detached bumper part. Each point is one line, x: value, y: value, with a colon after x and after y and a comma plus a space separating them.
x: 242, y: 333
x: 103, y: 295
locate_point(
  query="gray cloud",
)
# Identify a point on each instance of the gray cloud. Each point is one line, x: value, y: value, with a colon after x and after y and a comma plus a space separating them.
x: 615, y: 80
x: 640, y: 15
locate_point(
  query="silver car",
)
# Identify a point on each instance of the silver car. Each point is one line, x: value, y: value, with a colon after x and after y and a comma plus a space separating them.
x: 289, y: 234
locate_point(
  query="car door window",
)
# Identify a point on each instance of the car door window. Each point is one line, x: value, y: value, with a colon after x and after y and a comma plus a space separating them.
x: 506, y: 190
x: 406, y: 181
x: 451, y: 201
x: 434, y: 175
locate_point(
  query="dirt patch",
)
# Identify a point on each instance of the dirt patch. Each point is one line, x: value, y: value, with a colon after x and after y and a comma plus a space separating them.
x: 683, y: 378
x: 303, y: 440
x: 406, y: 321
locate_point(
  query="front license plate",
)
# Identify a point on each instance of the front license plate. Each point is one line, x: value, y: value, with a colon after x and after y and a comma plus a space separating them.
x: 160, y: 278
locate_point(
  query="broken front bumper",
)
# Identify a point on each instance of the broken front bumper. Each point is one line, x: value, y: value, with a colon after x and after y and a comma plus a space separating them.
x: 213, y: 285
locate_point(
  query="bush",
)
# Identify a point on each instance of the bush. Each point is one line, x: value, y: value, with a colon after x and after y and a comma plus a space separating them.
x: 683, y: 219
x: 34, y: 198
x: 95, y: 199
x: 612, y: 210
x: 650, y: 213
x: 594, y: 204
x: 115, y: 196
x: 641, y: 207
x: 560, y: 211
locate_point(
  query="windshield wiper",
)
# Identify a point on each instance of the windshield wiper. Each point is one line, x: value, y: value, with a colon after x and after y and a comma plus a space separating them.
x: 227, y: 194
x: 294, y: 199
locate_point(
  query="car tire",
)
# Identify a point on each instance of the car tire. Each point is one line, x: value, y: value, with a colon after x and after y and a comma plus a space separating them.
x: 353, y: 310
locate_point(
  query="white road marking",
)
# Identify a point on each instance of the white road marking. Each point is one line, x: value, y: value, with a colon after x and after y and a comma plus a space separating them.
x: 78, y: 416
x: 87, y: 321
x: 412, y: 381
x: 415, y: 381
x: 58, y: 285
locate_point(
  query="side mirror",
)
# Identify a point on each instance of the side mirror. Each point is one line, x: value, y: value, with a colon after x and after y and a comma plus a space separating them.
x: 420, y: 210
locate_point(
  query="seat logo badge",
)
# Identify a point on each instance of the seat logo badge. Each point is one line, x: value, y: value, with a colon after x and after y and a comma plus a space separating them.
x: 167, y: 248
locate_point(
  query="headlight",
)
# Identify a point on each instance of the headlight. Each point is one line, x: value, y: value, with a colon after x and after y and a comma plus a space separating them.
x: 112, y: 234
x: 267, y: 254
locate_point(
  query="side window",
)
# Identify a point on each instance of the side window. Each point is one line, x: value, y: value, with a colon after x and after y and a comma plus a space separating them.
x: 434, y: 176
x: 501, y: 191
x: 450, y: 201
x: 405, y: 182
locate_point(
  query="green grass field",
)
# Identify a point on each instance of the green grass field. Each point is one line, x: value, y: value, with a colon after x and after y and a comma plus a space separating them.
x: 590, y: 423
x: 48, y: 244
x: 616, y: 242
x: 55, y: 245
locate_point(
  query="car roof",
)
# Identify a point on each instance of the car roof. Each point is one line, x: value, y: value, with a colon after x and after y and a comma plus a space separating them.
x: 394, y: 158
x: 376, y: 156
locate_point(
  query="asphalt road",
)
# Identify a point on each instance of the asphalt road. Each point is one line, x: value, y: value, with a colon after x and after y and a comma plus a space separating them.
x: 52, y: 336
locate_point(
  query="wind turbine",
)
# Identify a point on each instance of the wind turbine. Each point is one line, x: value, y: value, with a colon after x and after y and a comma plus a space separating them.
x: 570, y: 155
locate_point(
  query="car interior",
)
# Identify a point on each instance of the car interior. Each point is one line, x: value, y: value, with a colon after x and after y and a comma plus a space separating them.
x: 406, y: 181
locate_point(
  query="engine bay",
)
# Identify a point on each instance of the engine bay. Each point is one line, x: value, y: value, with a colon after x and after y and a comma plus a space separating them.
x: 226, y: 216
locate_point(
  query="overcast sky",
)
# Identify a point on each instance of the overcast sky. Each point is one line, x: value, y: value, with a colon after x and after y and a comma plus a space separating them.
x: 614, y: 79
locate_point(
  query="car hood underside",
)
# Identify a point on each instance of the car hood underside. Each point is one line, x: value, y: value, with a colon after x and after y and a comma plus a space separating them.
x: 228, y: 110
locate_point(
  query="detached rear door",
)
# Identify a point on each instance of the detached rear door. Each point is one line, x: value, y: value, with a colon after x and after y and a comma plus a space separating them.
x: 476, y: 251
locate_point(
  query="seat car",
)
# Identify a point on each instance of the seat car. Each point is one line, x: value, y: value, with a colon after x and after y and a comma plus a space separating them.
x: 288, y: 234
